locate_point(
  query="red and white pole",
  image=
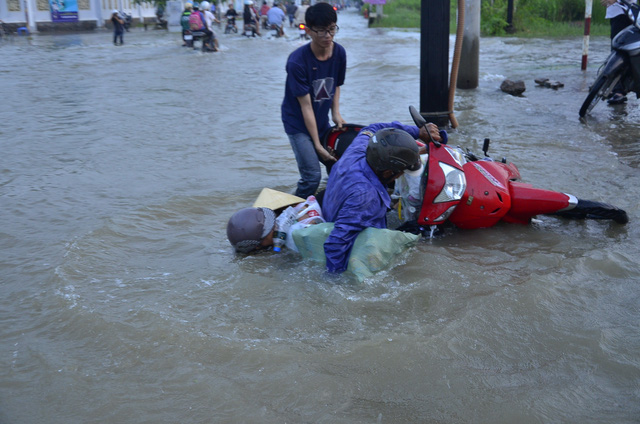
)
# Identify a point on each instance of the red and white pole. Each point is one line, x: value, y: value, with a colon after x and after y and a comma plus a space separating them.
x: 587, y: 28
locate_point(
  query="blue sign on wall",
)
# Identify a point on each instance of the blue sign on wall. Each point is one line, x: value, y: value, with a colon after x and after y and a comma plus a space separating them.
x: 64, y: 10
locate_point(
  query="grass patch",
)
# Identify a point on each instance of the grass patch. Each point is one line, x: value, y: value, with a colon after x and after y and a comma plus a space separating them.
x: 527, y: 22
x: 404, y: 18
x: 400, y: 18
x: 561, y: 29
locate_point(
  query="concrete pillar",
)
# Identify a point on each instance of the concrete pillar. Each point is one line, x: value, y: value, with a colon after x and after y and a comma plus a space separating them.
x: 30, y: 12
x: 96, y: 5
x: 173, y: 11
x: 470, y: 53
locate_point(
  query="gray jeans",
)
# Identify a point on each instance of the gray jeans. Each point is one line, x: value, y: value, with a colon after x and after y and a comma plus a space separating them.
x: 308, y: 164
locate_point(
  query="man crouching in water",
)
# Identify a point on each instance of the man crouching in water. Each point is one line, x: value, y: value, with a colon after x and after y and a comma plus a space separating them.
x: 356, y: 196
x: 251, y: 229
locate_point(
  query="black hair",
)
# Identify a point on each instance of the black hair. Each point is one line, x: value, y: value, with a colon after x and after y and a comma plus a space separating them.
x: 320, y: 15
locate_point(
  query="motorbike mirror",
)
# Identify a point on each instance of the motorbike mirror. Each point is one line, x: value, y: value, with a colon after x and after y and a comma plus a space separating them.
x: 485, y: 146
x: 417, y: 118
x: 421, y: 122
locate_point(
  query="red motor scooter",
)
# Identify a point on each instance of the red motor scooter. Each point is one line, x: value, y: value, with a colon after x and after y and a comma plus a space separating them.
x: 470, y: 192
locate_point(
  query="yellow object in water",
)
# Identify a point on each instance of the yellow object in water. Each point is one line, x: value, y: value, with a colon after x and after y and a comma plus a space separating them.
x: 274, y: 199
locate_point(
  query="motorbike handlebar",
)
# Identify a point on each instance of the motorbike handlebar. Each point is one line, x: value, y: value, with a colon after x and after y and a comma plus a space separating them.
x: 421, y: 122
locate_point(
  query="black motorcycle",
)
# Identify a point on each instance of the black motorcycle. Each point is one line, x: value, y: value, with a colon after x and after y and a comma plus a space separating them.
x: 622, y: 67
x: 190, y: 37
x: 231, y: 26
x: 127, y: 18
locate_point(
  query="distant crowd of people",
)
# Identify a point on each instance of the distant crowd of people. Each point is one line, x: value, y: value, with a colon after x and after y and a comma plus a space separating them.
x: 254, y: 19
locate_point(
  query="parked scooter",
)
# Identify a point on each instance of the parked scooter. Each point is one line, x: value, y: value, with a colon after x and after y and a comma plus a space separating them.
x: 471, y: 192
x: 622, y: 65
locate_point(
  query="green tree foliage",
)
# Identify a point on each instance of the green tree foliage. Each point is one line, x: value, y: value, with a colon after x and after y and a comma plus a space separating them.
x: 535, y: 14
x: 530, y: 17
x: 493, y: 17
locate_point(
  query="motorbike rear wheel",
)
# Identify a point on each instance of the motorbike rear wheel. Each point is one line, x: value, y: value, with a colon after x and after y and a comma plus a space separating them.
x: 588, y: 209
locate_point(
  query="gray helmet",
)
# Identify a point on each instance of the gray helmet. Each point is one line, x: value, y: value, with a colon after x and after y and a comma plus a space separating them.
x: 393, y: 149
x: 248, y: 226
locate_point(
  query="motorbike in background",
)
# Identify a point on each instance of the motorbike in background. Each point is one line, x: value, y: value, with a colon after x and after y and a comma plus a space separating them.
x: 302, y: 33
x: 190, y: 38
x: 274, y: 31
x: 231, y: 26
x: 249, y: 30
x: 623, y: 64
x: 127, y: 18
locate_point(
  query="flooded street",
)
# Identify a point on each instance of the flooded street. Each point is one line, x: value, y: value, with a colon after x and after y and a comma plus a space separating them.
x: 123, y: 302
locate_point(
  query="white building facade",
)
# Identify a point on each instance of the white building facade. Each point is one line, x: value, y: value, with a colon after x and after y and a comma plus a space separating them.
x: 36, y: 15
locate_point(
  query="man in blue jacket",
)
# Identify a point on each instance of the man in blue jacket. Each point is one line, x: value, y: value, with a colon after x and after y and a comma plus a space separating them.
x: 356, y: 196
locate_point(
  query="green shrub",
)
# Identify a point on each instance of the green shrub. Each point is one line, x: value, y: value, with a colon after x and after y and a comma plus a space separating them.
x: 530, y: 17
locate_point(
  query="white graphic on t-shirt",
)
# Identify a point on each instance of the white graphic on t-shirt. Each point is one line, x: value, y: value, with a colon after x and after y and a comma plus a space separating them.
x: 322, y: 89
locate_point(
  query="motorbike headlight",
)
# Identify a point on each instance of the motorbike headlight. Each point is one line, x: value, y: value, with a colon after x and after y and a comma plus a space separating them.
x: 457, y: 155
x: 455, y: 184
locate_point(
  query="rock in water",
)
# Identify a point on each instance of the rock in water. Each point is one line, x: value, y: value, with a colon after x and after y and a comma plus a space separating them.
x: 515, y: 88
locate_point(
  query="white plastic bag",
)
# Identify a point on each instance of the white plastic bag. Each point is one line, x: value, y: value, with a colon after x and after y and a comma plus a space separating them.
x: 301, y: 216
x: 408, y: 189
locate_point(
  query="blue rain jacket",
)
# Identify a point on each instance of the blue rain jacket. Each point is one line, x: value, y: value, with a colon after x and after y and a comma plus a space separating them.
x: 355, y: 198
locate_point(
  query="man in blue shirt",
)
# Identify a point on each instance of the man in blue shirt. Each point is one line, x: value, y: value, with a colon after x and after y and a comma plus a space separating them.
x: 315, y: 73
x: 275, y: 17
x: 356, y: 195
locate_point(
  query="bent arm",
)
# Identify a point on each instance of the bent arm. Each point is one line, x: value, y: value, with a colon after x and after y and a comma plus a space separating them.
x: 411, y: 129
x: 312, y: 126
x: 356, y: 214
x: 335, y: 109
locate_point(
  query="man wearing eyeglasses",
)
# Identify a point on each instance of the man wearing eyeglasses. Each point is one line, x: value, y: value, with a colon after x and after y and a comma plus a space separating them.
x: 315, y: 73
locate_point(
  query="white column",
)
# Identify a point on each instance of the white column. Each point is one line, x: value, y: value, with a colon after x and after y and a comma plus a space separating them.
x: 30, y: 11
x: 97, y: 9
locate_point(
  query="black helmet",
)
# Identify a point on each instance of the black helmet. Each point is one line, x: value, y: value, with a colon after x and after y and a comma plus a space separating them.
x: 393, y: 149
x: 248, y: 226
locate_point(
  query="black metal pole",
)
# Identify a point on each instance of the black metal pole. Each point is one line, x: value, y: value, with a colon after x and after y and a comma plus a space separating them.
x: 510, y: 16
x: 434, y: 61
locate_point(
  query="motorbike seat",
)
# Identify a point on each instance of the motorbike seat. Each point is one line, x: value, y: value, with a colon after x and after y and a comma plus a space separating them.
x: 338, y: 141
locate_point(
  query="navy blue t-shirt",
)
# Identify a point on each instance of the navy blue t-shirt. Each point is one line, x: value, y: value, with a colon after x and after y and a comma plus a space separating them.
x: 307, y: 74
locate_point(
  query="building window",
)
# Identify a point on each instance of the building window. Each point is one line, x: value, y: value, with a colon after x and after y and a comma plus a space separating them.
x: 13, y: 5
